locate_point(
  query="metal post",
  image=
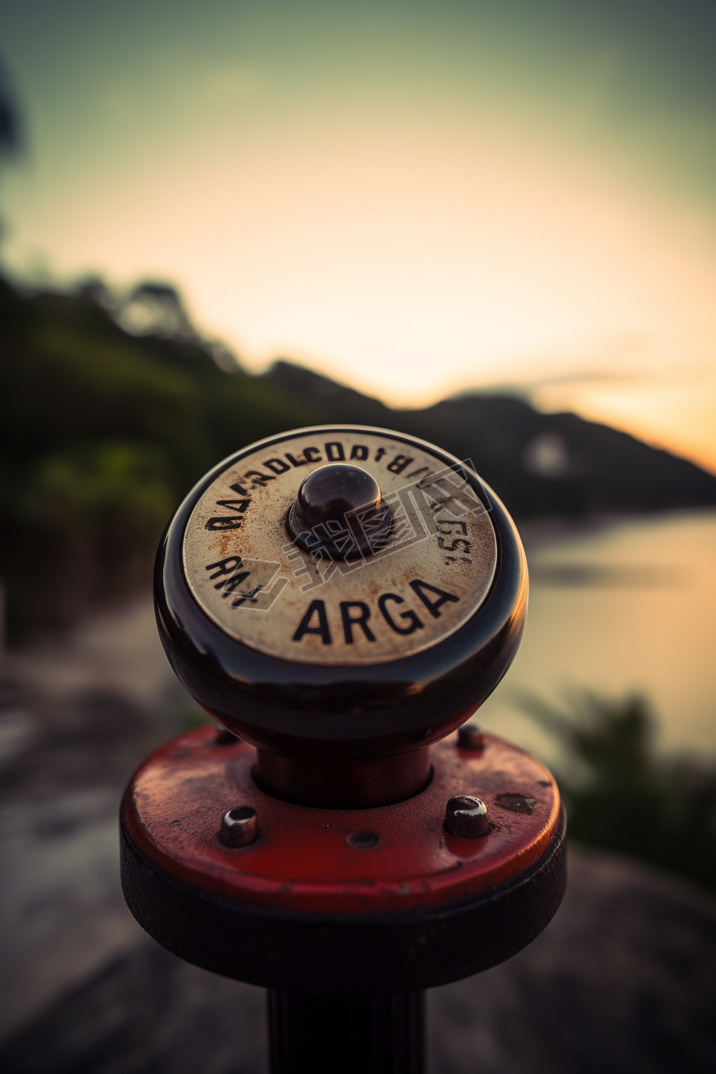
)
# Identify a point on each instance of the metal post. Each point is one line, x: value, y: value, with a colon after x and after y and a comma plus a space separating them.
x: 377, y: 1034
x: 341, y: 599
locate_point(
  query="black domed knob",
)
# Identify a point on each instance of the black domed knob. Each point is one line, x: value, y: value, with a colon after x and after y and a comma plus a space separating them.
x: 341, y: 597
x: 331, y: 492
x: 339, y: 512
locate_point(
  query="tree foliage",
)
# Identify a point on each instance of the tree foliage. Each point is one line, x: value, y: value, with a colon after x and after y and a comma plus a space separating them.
x: 102, y: 433
x: 111, y: 408
x: 621, y: 794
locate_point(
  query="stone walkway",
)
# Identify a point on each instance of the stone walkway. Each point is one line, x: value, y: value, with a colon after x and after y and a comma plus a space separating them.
x: 622, y: 980
x: 76, y: 718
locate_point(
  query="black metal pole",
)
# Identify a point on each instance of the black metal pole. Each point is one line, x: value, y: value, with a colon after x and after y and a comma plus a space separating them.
x: 376, y: 1034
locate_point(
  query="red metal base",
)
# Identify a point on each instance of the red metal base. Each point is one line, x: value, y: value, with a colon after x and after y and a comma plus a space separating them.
x: 358, y: 861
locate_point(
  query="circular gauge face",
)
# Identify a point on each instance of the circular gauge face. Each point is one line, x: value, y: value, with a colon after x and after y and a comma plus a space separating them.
x: 315, y: 576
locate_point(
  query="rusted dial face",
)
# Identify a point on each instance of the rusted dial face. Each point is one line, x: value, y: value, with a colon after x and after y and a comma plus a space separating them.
x: 364, y: 582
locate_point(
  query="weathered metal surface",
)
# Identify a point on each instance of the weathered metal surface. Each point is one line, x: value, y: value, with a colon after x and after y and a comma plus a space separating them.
x: 339, y: 861
x: 417, y: 586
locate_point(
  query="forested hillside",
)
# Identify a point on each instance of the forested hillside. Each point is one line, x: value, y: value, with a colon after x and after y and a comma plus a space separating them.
x: 109, y: 411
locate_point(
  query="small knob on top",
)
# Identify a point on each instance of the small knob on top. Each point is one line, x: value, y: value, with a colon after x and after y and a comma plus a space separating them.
x: 339, y: 512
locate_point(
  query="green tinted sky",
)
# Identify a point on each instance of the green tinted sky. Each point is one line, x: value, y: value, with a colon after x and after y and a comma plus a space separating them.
x: 414, y: 196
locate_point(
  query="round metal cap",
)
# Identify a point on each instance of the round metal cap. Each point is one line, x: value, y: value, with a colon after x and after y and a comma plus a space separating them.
x: 340, y: 564
x: 341, y: 585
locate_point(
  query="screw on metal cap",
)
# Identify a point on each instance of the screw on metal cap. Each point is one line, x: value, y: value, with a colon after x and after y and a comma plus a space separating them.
x: 466, y: 816
x: 340, y: 513
x: 239, y: 827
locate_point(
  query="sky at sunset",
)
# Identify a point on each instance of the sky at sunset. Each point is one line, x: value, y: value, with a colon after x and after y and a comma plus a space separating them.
x: 415, y: 198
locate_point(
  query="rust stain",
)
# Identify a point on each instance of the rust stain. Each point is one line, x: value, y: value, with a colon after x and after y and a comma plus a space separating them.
x: 516, y: 803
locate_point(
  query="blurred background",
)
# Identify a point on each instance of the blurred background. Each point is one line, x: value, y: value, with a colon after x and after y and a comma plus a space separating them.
x: 492, y: 225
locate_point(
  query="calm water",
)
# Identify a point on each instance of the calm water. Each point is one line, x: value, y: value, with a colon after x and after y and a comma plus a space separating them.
x: 620, y: 607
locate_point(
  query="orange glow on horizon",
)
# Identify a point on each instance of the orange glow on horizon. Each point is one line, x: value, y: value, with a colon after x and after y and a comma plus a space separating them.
x: 412, y: 256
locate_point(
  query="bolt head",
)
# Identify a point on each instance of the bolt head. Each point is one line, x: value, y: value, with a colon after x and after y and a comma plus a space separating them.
x: 466, y: 817
x: 239, y: 827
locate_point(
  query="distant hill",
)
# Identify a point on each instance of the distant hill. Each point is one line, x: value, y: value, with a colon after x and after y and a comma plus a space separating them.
x: 539, y: 464
x: 110, y: 411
